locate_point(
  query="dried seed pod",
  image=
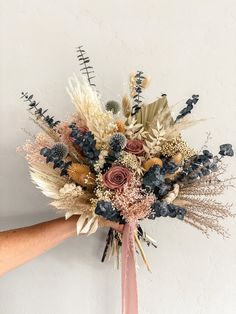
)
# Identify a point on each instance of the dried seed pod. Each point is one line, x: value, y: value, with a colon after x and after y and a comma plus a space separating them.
x: 151, y: 162
x: 126, y: 106
x: 145, y: 82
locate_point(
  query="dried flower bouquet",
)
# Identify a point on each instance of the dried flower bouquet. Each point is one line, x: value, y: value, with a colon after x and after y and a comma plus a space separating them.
x: 125, y: 163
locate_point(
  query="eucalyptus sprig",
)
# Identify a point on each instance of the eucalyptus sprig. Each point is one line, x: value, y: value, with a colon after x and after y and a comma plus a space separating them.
x: 37, y: 111
x: 86, y: 68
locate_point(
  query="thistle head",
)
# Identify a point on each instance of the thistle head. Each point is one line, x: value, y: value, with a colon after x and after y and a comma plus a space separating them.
x: 59, y: 151
x: 118, y: 139
x: 113, y: 106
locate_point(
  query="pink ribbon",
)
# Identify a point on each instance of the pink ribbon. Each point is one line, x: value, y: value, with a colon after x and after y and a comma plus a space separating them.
x: 129, y: 283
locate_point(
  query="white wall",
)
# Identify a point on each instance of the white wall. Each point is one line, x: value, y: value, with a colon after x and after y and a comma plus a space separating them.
x: 186, y: 47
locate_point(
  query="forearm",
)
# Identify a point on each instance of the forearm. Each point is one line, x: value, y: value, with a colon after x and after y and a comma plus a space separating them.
x: 21, y: 245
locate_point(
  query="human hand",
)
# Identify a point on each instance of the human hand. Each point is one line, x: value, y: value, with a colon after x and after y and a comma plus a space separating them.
x: 110, y: 224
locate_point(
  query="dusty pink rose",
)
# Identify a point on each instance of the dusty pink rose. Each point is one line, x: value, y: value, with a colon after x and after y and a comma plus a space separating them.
x: 135, y: 147
x: 116, y: 177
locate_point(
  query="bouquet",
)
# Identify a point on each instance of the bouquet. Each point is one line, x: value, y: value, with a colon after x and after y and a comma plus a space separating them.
x: 125, y: 163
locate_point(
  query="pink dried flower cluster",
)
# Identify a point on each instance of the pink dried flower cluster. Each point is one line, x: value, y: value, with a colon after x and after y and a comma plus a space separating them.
x: 32, y: 148
x: 64, y: 131
x: 133, y: 202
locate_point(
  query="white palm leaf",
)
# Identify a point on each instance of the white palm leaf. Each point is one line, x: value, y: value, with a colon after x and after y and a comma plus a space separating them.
x: 88, y: 105
x: 47, y: 179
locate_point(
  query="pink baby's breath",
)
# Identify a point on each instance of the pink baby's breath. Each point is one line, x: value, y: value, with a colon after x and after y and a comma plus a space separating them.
x: 133, y: 202
x: 32, y: 148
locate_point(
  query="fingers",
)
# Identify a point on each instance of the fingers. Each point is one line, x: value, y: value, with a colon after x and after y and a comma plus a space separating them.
x: 111, y: 224
x: 116, y: 226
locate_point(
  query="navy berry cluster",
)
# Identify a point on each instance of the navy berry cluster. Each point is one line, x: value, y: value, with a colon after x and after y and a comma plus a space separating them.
x: 51, y: 156
x: 84, y: 141
x: 186, y: 110
x: 105, y: 209
x: 163, y: 209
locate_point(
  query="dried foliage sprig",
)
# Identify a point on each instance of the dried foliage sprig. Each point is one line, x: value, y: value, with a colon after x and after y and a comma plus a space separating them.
x: 137, y: 84
x: 45, y: 122
x: 86, y: 68
x: 205, y: 215
x: 187, y: 110
x: 38, y: 111
x: 134, y: 130
x: 155, y: 113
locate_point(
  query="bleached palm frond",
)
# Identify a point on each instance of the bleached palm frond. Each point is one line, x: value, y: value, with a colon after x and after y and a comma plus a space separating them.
x: 47, y: 179
x: 72, y: 202
x: 156, y: 112
x: 89, y: 108
x: 87, y: 224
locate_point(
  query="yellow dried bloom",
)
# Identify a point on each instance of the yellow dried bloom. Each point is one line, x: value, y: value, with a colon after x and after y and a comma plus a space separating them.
x: 151, y: 162
x: 131, y: 161
x: 126, y: 106
x: 177, y: 145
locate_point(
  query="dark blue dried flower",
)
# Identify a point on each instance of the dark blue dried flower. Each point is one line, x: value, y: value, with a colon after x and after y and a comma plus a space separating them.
x: 86, y: 142
x: 51, y: 155
x: 181, y: 213
x: 39, y: 112
x: 190, y: 102
x: 107, y: 211
x: 207, y: 154
x: 164, y: 209
x: 226, y: 150
x: 59, y: 151
x: 169, y: 167
x: 153, y: 178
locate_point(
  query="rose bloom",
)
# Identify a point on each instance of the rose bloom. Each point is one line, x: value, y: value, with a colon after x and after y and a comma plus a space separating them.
x: 116, y: 177
x: 135, y: 147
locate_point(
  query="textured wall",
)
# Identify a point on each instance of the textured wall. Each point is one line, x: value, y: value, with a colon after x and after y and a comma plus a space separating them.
x: 186, y: 47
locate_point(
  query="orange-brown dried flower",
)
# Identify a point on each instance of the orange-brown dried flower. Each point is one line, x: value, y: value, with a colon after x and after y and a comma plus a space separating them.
x: 81, y: 175
x: 120, y: 126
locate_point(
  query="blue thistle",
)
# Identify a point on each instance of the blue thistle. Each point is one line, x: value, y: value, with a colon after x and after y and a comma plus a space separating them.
x: 118, y: 139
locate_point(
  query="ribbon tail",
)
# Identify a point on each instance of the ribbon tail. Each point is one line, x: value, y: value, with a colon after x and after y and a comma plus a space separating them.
x: 129, y: 283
